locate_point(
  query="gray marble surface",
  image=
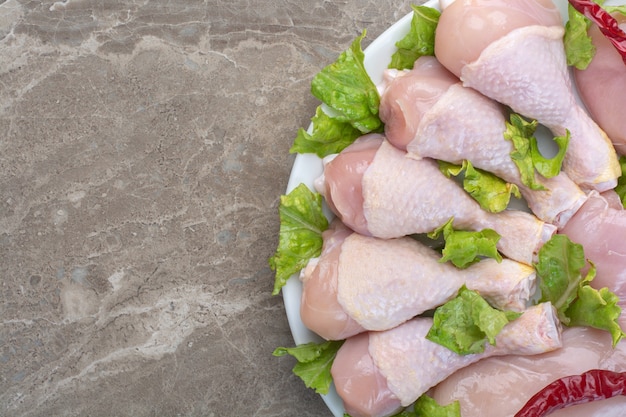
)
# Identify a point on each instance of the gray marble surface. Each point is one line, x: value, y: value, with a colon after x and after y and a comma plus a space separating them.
x: 143, y: 150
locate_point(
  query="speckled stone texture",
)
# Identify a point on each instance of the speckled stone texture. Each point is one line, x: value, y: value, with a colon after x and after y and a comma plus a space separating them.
x: 143, y: 149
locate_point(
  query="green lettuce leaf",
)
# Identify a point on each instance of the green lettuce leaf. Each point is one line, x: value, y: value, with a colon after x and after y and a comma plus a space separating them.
x: 579, y: 49
x: 615, y: 9
x: 420, y: 41
x: 314, y: 363
x: 492, y: 193
x: 464, y: 248
x: 559, y: 269
x: 526, y: 154
x: 559, y: 272
x: 466, y: 323
x: 549, y: 167
x: 596, y: 308
x: 621, y: 182
x: 346, y: 88
x: 328, y: 136
x: 519, y: 132
x: 300, y: 236
x: 427, y: 406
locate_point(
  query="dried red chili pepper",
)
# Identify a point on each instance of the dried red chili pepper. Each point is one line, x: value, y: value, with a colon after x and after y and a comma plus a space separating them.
x: 606, y: 23
x: 593, y: 385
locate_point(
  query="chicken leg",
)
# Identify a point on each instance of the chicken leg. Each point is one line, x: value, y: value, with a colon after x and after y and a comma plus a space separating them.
x: 363, y: 283
x: 392, y: 195
x: 378, y: 373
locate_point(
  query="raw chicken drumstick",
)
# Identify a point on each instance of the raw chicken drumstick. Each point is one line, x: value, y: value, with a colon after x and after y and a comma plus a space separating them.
x: 428, y: 112
x: 518, y: 59
x: 363, y: 283
x: 500, y: 386
x: 376, y: 190
x: 377, y: 373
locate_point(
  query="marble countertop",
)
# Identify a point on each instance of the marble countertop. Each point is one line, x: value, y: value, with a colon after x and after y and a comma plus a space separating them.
x: 143, y: 149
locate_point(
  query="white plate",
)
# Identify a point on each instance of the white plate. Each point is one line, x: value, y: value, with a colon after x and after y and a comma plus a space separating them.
x: 307, y: 167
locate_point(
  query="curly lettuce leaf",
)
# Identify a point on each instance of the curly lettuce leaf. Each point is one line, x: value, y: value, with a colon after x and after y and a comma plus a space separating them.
x: 300, y: 236
x: 559, y: 269
x: 596, y: 308
x: 314, y: 363
x: 549, y: 167
x: 526, y: 154
x: 346, y: 88
x: 420, y: 41
x: 492, y: 193
x: 615, y: 9
x: 464, y: 248
x: 427, y: 406
x: 519, y: 132
x: 467, y: 323
x: 621, y: 182
x: 560, y: 274
x: 329, y: 136
x: 579, y: 49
